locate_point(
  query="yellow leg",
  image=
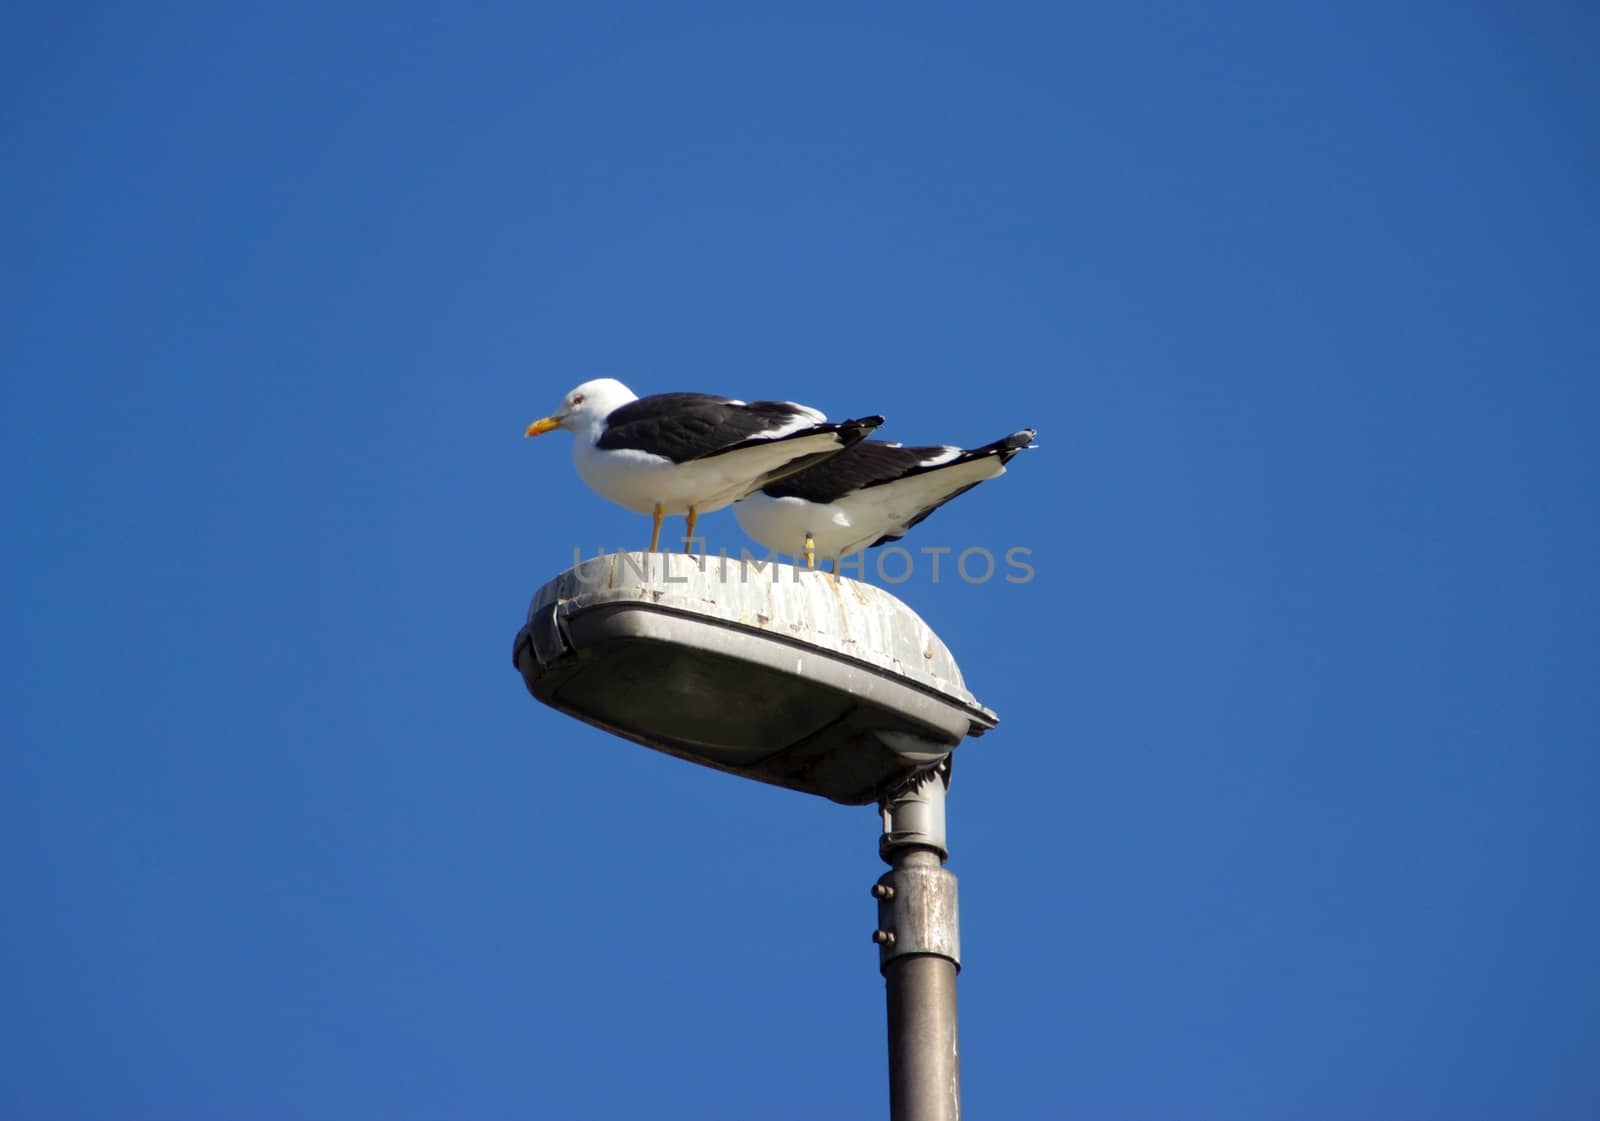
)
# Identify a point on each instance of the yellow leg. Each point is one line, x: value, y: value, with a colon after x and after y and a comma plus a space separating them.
x: 688, y: 536
x: 655, y: 530
x: 811, y: 551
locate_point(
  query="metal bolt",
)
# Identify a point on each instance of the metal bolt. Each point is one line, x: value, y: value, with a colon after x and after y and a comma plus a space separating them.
x: 883, y: 937
x: 882, y: 891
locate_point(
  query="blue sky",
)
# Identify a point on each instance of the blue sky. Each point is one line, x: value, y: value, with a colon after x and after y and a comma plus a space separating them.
x: 1291, y: 809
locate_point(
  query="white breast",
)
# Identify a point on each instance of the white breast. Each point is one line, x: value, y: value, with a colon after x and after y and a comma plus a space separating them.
x: 781, y: 525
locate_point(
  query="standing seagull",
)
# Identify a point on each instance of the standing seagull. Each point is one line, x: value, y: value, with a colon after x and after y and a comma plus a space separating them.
x: 867, y: 495
x: 690, y: 453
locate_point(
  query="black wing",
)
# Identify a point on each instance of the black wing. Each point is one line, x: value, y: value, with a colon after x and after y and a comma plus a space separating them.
x: 872, y: 463
x: 685, y: 426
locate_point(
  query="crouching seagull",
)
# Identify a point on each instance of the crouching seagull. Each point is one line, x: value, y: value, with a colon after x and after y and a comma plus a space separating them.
x: 869, y: 494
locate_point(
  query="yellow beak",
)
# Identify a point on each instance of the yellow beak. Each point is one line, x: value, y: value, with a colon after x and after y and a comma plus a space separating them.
x: 540, y: 427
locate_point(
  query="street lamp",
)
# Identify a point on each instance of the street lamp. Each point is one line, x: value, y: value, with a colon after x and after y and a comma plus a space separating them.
x: 792, y: 677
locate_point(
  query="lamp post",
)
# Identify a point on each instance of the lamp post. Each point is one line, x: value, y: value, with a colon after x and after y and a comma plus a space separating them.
x: 792, y: 677
x: 919, y: 951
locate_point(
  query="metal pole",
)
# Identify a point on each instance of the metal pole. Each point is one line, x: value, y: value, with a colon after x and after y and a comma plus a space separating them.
x: 919, y: 953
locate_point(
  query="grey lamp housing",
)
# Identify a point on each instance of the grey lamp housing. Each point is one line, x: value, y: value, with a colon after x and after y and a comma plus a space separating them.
x: 785, y: 675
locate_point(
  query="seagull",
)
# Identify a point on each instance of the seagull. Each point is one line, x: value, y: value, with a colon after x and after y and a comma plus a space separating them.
x: 690, y: 453
x: 869, y: 494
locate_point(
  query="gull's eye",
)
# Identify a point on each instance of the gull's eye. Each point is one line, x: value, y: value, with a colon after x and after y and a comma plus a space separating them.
x: 577, y: 399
